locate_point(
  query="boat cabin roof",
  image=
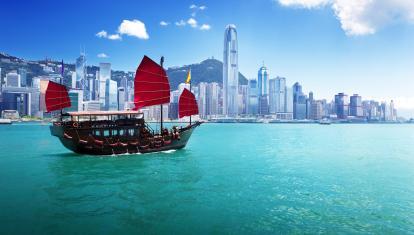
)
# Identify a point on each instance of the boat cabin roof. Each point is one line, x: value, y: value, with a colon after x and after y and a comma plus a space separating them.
x: 103, y: 113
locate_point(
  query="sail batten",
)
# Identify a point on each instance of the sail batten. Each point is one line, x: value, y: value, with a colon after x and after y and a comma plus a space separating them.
x: 187, y: 104
x: 54, y: 96
x: 151, y: 85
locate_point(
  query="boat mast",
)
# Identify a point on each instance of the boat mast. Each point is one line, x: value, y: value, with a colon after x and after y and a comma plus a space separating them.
x: 161, y: 63
x: 61, y: 78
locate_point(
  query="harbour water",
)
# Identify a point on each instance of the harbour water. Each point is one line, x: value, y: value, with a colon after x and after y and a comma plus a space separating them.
x: 231, y: 178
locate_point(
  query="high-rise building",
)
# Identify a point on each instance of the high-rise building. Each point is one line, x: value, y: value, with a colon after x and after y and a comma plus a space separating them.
x: 121, y: 98
x: 316, y: 110
x: 289, y: 100
x: 76, y: 100
x: 73, y: 80
x: 277, y: 95
x: 23, y: 77
x: 111, y: 95
x: 81, y: 71
x: 230, y: 72
x: 202, y: 100
x: 253, y: 100
x: 104, y: 76
x: 263, y: 87
x: 213, y: 93
x: 13, y: 79
x: 299, y: 102
x: 355, y: 106
x: 243, y: 98
x: 341, y: 105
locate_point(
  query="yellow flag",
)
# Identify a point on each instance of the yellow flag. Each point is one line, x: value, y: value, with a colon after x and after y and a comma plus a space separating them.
x: 188, y: 77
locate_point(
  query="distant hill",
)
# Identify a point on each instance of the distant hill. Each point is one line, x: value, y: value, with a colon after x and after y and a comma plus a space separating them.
x: 210, y: 70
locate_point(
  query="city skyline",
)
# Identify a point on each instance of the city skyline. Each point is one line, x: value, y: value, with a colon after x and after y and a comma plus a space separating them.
x: 305, y: 43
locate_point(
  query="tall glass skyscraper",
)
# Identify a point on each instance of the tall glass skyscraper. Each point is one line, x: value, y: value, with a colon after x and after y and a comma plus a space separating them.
x: 263, y: 86
x: 230, y: 72
x: 104, y: 75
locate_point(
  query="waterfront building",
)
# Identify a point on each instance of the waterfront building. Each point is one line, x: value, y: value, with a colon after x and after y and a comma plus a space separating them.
x: 13, y: 79
x: 92, y: 105
x: 173, y: 106
x: 213, y: 96
x: 253, y: 100
x: 299, y: 102
x: 277, y: 95
x: 121, y: 98
x: 263, y: 88
x: 341, y: 106
x: 316, y: 110
x: 24, y: 100
x: 355, y: 106
x: 243, y: 98
x: 104, y: 76
x: 202, y: 100
x: 289, y: 100
x: 111, y: 95
x: 76, y: 100
x: 230, y: 72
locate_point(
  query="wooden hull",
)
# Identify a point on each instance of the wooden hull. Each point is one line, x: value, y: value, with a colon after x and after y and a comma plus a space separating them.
x: 84, y: 144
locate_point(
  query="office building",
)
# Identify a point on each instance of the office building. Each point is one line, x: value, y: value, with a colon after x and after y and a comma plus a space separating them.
x: 230, y: 72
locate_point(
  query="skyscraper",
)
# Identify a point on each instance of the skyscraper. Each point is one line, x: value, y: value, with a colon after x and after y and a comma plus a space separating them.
x: 263, y: 88
x: 299, y: 102
x: 81, y: 71
x: 111, y: 96
x: 104, y: 75
x: 341, y: 105
x: 277, y: 96
x: 230, y: 72
x: 253, y: 93
x: 13, y: 79
x: 355, y: 107
x: 121, y: 98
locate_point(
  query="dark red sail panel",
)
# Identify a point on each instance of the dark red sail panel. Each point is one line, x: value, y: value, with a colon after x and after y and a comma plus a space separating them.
x: 151, y: 85
x: 56, y: 96
x: 187, y: 104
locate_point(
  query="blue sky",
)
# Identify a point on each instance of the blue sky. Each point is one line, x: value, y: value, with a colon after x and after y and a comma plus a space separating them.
x: 319, y: 43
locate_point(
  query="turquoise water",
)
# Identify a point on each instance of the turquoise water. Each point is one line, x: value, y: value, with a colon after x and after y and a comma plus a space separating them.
x: 231, y: 179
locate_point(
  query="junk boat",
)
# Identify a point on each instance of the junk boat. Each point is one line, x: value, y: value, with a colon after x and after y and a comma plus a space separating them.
x: 120, y: 132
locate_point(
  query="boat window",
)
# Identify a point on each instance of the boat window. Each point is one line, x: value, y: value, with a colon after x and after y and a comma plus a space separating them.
x: 97, y: 133
x: 131, y: 132
x: 114, y: 132
x: 106, y: 132
x: 121, y: 132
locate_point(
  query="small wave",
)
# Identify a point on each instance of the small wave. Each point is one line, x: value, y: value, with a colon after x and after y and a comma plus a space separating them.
x: 169, y: 151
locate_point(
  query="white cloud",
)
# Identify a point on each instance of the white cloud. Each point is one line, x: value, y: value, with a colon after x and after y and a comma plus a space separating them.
x: 163, y: 23
x: 362, y: 17
x: 102, y: 55
x: 195, y: 7
x: 102, y: 34
x: 134, y: 28
x: 304, y: 3
x: 192, y: 22
x: 180, y: 23
x: 114, y: 37
x: 205, y: 27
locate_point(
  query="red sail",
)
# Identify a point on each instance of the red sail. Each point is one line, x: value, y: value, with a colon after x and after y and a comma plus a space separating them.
x: 187, y: 104
x: 151, y: 84
x: 55, y: 96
